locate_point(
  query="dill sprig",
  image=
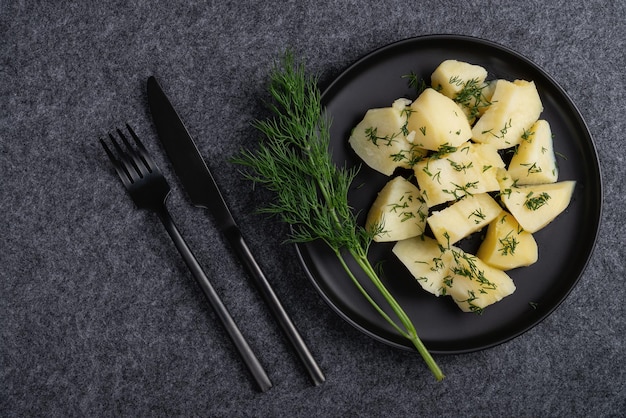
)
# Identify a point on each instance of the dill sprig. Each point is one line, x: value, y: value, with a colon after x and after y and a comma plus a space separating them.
x: 294, y: 161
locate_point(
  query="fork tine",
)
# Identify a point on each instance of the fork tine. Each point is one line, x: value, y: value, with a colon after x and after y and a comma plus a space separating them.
x: 120, y: 168
x: 126, y: 162
x: 142, y: 152
x: 131, y: 157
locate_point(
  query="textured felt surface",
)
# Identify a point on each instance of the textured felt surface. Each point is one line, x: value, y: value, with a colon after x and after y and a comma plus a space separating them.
x: 98, y: 313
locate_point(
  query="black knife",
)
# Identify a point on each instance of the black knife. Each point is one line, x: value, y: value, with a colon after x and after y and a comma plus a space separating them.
x: 204, y: 192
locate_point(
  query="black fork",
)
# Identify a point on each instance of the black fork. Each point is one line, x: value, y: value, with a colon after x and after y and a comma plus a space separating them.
x: 149, y: 190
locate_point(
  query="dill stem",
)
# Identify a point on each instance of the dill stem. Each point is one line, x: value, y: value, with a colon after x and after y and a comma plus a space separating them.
x: 411, y: 333
x: 367, y: 296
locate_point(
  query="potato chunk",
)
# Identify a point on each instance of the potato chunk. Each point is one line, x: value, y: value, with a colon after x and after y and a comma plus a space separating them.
x: 427, y: 261
x: 534, y: 206
x: 437, y: 121
x: 450, y: 176
x: 463, y: 218
x: 465, y: 84
x: 534, y: 161
x: 488, y: 160
x: 399, y: 212
x: 474, y: 284
x: 506, y: 245
x: 451, y: 76
x: 380, y: 139
x: 515, y: 107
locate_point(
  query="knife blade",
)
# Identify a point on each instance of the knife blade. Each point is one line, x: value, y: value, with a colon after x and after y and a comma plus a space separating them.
x: 204, y: 192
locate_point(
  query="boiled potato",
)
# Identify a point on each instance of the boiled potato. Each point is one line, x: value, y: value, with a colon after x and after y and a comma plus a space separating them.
x: 437, y: 121
x: 507, y: 245
x: 450, y: 176
x: 399, y: 212
x: 534, y: 161
x: 488, y: 160
x: 380, y: 139
x: 451, y: 76
x: 534, y: 206
x: 459, y: 220
x: 465, y: 84
x: 473, y: 284
x: 427, y: 261
x: 515, y: 107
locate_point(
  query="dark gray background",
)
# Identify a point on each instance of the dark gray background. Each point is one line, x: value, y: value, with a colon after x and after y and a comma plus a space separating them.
x: 99, y: 315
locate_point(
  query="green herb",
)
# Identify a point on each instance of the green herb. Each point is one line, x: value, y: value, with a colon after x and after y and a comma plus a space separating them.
x: 411, y: 156
x: 509, y: 243
x: 478, y: 213
x: 406, y: 112
x: 443, y: 150
x: 527, y: 135
x: 465, y: 265
x: 471, y: 96
x: 506, y: 193
x: 505, y: 129
x: 471, y: 297
x: 560, y: 155
x: 294, y: 162
x: 416, y: 82
x: 437, y: 264
x: 535, y: 202
x: 403, y: 204
x: 437, y: 176
x: 446, y: 283
x: 372, y: 135
x: 502, y: 133
x: 461, y: 190
x: 460, y: 167
x: 532, y: 168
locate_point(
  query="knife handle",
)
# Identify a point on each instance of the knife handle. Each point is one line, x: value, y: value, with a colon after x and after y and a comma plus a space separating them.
x: 237, y: 242
x: 254, y: 366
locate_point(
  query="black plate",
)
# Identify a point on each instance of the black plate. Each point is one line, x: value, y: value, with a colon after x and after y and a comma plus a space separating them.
x: 565, y: 245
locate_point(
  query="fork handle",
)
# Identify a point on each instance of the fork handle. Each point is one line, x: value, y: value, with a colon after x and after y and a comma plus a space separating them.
x: 254, y: 366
